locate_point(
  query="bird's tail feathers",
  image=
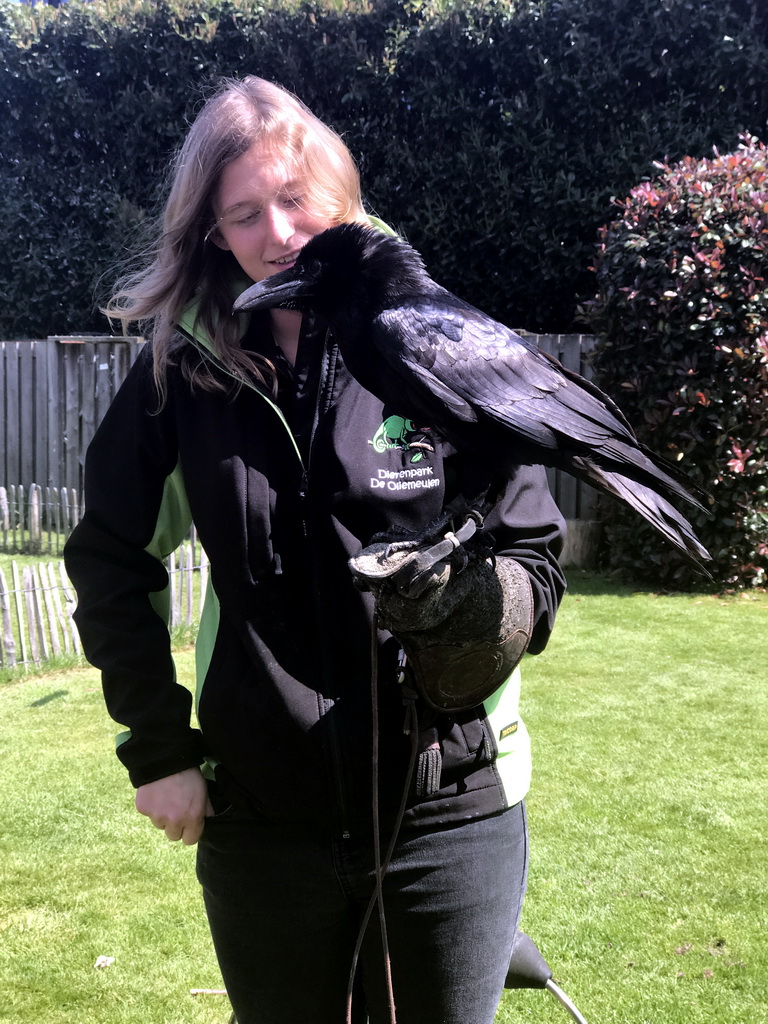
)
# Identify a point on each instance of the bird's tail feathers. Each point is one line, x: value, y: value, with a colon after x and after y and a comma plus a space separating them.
x: 651, y: 470
x: 658, y: 469
x: 655, y: 509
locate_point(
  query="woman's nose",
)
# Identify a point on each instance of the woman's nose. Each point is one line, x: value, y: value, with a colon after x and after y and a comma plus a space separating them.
x: 279, y: 222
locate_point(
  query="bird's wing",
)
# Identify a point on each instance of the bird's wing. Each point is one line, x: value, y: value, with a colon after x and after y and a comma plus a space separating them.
x: 486, y: 371
x: 473, y: 361
x: 439, y: 346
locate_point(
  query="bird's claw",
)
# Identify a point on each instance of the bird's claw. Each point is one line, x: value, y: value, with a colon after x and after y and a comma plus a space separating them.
x: 412, y: 563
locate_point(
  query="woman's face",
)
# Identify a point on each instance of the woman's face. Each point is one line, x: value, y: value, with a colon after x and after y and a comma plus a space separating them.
x: 260, y: 214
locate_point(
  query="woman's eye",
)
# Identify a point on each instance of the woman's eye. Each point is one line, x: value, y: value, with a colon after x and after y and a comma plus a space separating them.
x: 242, y: 218
x: 247, y: 218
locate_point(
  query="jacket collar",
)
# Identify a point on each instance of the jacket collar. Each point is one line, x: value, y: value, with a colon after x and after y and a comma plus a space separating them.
x: 189, y: 325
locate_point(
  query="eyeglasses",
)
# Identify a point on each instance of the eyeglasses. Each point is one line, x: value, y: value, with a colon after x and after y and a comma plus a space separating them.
x: 245, y: 216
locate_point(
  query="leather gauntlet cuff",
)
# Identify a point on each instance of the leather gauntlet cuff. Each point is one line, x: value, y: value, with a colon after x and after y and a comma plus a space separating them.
x: 465, y: 631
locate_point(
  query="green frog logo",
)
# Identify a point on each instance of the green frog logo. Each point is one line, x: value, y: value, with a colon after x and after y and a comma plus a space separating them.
x: 403, y: 434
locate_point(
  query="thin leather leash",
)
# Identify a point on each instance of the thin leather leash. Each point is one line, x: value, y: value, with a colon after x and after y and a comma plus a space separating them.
x: 409, y: 580
x: 411, y: 728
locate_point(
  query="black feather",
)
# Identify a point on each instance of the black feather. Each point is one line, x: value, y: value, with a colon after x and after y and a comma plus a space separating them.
x: 425, y: 352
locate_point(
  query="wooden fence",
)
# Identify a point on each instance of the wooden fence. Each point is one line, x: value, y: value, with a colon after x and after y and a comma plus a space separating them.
x: 37, y: 521
x: 53, y: 395
x: 36, y: 607
x: 575, y: 500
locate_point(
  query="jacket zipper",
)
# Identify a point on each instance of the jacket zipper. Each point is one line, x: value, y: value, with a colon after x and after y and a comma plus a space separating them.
x: 333, y: 733
x: 304, y: 500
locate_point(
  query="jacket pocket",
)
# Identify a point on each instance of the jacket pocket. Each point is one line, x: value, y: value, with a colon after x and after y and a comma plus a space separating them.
x: 465, y: 743
x: 259, y: 507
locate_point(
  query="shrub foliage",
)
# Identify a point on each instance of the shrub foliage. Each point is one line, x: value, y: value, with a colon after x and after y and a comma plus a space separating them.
x: 493, y: 135
x: 682, y: 310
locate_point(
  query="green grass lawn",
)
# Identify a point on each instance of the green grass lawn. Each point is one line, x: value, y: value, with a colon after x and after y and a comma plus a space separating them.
x: 82, y: 875
x: 647, y: 888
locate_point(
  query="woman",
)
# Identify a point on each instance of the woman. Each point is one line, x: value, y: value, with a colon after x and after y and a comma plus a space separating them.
x: 254, y: 430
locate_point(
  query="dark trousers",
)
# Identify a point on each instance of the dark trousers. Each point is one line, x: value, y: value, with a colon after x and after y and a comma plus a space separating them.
x: 285, y: 909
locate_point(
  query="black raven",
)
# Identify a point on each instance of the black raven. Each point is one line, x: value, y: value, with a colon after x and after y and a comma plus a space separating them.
x: 429, y: 355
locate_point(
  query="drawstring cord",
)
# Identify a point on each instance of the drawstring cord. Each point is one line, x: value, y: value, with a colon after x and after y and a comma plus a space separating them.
x: 411, y: 729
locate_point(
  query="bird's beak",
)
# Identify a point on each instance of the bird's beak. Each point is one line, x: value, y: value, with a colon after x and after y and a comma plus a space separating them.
x: 286, y: 289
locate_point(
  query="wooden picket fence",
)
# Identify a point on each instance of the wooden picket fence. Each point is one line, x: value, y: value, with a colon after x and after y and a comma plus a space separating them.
x: 37, y: 603
x: 37, y: 520
x: 36, y: 615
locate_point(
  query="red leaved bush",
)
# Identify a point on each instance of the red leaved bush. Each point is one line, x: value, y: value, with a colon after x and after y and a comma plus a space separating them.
x: 682, y: 317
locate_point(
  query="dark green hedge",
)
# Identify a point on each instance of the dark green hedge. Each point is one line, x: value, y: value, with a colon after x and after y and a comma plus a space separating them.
x: 493, y: 137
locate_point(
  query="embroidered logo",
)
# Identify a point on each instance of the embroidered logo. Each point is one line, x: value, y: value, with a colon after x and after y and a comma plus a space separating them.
x: 403, y: 434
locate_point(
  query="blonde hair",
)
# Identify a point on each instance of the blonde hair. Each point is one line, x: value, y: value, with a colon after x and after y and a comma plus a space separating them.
x: 184, y: 263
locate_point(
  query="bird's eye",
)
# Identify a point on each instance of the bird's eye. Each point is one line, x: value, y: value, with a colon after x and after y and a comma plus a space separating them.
x: 315, y: 268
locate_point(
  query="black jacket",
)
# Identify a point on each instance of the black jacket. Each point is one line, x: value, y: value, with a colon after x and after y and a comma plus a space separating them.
x: 283, y: 653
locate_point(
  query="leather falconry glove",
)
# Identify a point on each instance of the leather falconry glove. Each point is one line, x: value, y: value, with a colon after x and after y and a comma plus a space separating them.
x: 463, y: 616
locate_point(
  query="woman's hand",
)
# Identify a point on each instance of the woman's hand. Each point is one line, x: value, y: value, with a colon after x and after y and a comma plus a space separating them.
x: 177, y: 804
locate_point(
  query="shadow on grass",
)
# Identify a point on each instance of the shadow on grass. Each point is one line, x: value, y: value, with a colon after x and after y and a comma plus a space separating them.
x: 48, y: 698
x: 583, y: 583
x: 587, y: 583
